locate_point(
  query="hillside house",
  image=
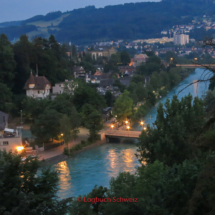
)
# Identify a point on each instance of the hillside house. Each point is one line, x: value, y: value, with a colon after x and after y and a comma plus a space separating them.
x: 37, y: 87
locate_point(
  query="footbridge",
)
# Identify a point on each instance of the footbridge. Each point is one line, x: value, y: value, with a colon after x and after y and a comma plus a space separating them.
x: 196, y: 65
x: 105, y: 135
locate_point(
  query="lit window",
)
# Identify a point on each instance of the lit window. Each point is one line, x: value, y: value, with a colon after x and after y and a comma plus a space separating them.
x: 31, y: 85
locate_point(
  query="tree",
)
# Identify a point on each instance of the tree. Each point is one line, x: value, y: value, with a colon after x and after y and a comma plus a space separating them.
x: 84, y: 94
x: 123, y: 106
x: 125, y: 58
x: 167, y: 141
x: 155, y: 81
x: 65, y: 128
x: 5, y: 98
x: 92, y: 120
x: 7, y: 63
x: 74, y: 51
x: 23, y: 57
x: 32, y: 108
x: 151, y: 98
x: 109, y: 98
x: 24, y: 191
x: 47, y: 125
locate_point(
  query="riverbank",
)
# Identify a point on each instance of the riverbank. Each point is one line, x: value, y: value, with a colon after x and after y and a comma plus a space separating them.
x: 62, y: 157
x: 144, y: 109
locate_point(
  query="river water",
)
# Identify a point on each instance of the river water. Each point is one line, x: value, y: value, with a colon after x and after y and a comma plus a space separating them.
x: 96, y: 166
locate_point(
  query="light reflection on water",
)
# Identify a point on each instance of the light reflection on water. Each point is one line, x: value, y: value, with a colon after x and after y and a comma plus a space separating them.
x: 96, y: 166
x: 81, y: 173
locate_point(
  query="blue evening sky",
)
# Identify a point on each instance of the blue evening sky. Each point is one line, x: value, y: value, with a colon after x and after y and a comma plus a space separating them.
x: 13, y: 10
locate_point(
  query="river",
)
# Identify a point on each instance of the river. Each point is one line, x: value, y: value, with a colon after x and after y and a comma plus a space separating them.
x: 81, y: 173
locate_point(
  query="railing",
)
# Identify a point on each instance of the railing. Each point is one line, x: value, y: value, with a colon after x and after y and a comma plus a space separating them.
x: 10, y: 136
x: 53, y: 145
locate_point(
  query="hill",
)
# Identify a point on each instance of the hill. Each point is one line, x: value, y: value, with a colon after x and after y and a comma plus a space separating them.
x: 128, y: 21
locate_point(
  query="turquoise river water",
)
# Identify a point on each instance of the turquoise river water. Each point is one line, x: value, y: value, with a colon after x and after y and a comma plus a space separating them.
x: 79, y: 174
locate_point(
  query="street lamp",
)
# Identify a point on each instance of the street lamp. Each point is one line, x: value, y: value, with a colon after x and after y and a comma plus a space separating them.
x: 171, y: 59
x: 144, y: 128
x: 112, y: 126
x: 21, y: 116
x: 142, y: 123
x: 62, y: 136
x: 128, y: 127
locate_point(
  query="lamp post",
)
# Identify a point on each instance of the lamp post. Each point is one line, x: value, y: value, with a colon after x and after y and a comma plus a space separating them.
x: 126, y: 122
x: 128, y: 127
x: 142, y: 123
x: 62, y: 136
x: 144, y: 128
x: 112, y: 126
x: 171, y: 59
x: 21, y: 116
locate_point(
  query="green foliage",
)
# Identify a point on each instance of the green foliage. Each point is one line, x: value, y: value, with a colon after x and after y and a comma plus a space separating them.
x: 209, y: 101
x: 92, y: 120
x: 125, y: 58
x: 84, y: 94
x: 140, y: 112
x: 7, y: 62
x: 118, y: 84
x: 24, y: 191
x: 167, y: 141
x: 5, y: 98
x: 109, y: 98
x: 47, y: 125
x: 123, y: 106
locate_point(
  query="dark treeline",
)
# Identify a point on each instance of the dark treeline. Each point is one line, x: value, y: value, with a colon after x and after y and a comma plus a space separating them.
x: 128, y: 21
x: 18, y: 60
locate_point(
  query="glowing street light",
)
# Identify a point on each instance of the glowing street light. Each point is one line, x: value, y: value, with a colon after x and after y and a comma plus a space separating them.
x: 61, y: 134
x: 142, y: 123
x: 19, y: 148
x: 144, y: 128
x: 126, y: 122
x: 112, y: 126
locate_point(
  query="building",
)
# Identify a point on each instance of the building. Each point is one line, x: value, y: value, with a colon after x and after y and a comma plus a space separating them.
x: 181, y: 39
x: 102, y: 52
x: 37, y: 87
x: 10, y: 139
x: 155, y: 40
x: 139, y: 58
x: 79, y: 72
x: 59, y: 88
x: 129, y: 69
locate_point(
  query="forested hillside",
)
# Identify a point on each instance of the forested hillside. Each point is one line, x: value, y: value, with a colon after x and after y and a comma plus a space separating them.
x: 128, y: 21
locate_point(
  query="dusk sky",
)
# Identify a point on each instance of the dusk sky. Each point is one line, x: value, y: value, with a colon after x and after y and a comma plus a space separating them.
x: 13, y: 10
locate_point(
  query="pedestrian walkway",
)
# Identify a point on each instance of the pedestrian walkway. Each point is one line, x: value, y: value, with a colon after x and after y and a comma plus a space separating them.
x: 83, y: 135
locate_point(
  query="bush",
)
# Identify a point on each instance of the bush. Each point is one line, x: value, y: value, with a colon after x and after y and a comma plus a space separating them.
x: 77, y: 147
x: 66, y: 151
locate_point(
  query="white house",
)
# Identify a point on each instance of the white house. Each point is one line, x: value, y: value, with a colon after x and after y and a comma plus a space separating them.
x: 37, y: 87
x: 59, y: 88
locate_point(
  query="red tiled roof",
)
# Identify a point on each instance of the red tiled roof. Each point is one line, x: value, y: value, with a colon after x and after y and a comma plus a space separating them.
x: 39, y: 81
